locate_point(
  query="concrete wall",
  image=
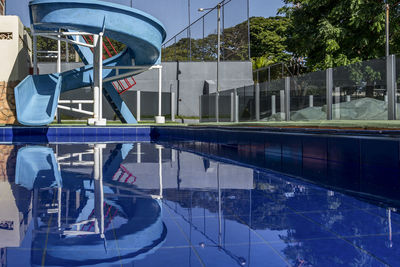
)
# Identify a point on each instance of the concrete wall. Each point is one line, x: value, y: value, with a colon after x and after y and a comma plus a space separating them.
x: 16, y: 49
x: 186, y: 79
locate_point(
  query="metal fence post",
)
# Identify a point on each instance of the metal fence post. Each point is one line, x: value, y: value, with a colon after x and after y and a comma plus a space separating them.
x: 282, y: 104
x: 173, y: 109
x: 200, y: 109
x: 287, y: 98
x: 236, y: 107
x: 257, y: 100
x: 217, y: 107
x: 329, y: 87
x: 138, y: 105
x: 232, y: 107
x: 391, y: 86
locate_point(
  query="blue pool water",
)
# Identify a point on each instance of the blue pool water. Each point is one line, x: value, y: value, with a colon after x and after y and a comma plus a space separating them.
x: 147, y: 204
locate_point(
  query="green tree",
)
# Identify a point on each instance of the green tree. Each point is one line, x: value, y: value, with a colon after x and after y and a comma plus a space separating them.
x: 268, y: 41
x: 330, y: 33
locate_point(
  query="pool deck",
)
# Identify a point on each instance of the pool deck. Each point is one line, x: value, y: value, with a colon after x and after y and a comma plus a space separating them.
x: 324, y: 126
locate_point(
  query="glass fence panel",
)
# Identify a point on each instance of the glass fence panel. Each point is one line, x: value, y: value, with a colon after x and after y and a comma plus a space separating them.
x: 359, y: 91
x: 398, y: 87
x: 308, y: 97
x: 272, y: 100
x: 225, y: 106
x: 246, y: 103
x: 208, y: 108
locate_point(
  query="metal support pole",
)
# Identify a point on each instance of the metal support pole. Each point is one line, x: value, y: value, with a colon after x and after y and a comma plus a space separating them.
x: 100, y: 77
x: 329, y: 88
x: 232, y: 107
x: 287, y: 98
x: 337, y: 103
x: 236, y: 107
x: 159, y: 118
x: 138, y: 107
x: 282, y: 104
x: 273, y: 104
x: 387, y: 8
x: 96, y: 81
x: 173, y: 108
x: 391, y: 86
x: 257, y: 100
x: 200, y: 108
x: 219, y: 45
x: 218, y: 62
x: 58, y: 117
x: 59, y: 54
x: 311, y: 101
x: 217, y: 107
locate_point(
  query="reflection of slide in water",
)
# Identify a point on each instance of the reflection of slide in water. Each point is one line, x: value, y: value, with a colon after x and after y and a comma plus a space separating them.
x: 97, y: 220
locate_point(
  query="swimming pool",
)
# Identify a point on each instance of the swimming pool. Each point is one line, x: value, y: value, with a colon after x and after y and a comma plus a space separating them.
x: 201, y: 198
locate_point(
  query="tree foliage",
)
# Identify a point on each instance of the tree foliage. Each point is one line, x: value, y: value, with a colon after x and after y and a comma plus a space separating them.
x: 330, y: 33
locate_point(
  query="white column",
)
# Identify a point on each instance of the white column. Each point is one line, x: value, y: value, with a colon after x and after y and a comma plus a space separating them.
x: 160, y: 118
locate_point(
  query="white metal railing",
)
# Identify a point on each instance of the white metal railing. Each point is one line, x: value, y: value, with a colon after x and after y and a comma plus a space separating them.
x: 79, y: 109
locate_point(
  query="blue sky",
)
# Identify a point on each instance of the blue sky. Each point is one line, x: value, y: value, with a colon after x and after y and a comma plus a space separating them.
x: 174, y: 13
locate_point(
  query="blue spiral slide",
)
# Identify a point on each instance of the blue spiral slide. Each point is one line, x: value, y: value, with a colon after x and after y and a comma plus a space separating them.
x: 36, y: 97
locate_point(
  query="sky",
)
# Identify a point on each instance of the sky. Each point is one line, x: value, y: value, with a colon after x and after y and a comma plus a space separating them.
x: 174, y: 13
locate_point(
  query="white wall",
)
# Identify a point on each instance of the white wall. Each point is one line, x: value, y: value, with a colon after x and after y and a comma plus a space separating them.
x: 15, y: 54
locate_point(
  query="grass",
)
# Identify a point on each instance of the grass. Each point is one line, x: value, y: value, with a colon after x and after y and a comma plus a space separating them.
x: 340, y: 124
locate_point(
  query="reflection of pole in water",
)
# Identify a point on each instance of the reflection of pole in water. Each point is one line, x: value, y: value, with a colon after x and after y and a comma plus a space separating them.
x: 159, y: 147
x: 138, y: 152
x: 98, y: 189
x: 389, y: 214
x: 219, y: 209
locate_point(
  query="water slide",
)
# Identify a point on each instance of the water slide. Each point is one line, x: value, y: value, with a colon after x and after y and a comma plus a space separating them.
x: 36, y: 97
